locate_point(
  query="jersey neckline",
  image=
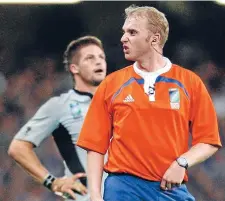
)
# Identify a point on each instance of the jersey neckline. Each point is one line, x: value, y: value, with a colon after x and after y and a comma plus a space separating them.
x: 83, y: 93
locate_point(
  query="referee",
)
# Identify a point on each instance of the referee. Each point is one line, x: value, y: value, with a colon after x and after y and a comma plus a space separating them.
x: 62, y: 117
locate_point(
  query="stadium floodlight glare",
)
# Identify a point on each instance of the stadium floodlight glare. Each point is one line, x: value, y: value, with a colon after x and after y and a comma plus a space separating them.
x: 220, y: 2
x: 39, y: 1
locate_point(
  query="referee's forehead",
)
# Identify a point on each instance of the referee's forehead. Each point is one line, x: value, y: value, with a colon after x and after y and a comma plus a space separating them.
x: 134, y: 22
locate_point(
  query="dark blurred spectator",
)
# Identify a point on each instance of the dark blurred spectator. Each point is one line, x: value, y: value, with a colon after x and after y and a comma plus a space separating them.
x: 3, y: 83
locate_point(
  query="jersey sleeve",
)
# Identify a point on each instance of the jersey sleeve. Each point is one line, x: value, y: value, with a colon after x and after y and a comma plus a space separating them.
x: 204, y: 125
x: 42, y: 124
x: 96, y: 130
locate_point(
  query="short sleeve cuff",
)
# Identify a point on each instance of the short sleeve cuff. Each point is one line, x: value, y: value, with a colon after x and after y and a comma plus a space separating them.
x: 90, y: 146
x: 35, y: 143
x: 208, y: 141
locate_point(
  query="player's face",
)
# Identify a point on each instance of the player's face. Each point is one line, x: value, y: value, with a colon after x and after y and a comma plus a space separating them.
x: 136, y: 38
x: 92, y: 64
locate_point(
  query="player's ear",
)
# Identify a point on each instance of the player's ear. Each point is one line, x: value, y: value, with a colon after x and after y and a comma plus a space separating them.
x: 74, y: 68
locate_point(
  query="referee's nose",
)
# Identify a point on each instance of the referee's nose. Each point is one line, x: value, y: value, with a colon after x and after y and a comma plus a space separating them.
x: 124, y: 38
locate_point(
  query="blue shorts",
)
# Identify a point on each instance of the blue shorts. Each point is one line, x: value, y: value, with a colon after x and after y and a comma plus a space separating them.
x: 124, y: 187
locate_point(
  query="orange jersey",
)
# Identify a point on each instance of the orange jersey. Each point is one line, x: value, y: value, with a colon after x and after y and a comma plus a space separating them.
x: 144, y: 137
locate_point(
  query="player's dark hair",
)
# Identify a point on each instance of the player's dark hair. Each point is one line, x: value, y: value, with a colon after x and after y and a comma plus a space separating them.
x: 74, y: 46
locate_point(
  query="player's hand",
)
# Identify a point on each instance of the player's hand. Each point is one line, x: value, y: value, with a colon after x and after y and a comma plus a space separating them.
x: 173, y: 176
x: 68, y: 185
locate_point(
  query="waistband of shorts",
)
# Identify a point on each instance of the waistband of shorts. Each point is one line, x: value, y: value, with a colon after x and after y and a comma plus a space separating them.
x: 128, y: 174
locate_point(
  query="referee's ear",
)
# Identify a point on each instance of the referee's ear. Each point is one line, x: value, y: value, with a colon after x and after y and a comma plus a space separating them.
x: 74, y: 69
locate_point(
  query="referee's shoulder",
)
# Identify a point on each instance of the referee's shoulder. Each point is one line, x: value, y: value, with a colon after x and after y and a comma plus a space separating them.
x: 186, y: 72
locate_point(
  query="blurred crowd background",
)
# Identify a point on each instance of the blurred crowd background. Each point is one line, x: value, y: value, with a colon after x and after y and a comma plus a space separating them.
x: 32, y: 41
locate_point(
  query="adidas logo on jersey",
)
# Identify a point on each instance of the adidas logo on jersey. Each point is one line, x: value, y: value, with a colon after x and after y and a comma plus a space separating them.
x: 129, y: 98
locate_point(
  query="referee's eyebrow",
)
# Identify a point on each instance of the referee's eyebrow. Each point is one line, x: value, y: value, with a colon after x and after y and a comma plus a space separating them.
x: 129, y: 30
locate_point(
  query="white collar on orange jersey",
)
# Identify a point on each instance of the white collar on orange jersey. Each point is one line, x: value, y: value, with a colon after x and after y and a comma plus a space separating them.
x: 143, y: 74
x: 150, y: 77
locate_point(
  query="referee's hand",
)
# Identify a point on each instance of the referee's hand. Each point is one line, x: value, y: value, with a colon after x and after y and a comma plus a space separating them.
x: 69, y: 185
x: 173, y: 177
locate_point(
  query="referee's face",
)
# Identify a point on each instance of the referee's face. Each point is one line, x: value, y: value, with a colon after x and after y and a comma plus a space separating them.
x: 92, y: 64
x: 135, y: 38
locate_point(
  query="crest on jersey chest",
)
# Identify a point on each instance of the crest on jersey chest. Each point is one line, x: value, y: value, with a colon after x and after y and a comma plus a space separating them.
x: 75, y: 110
x: 174, y: 95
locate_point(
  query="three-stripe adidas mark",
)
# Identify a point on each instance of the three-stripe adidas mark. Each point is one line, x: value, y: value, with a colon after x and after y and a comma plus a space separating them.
x: 129, y: 98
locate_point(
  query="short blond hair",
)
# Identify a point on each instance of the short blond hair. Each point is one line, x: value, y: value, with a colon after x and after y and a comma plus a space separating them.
x: 156, y: 20
x: 75, y: 45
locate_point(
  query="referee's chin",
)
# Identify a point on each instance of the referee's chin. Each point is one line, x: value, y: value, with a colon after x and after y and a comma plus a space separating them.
x: 129, y: 58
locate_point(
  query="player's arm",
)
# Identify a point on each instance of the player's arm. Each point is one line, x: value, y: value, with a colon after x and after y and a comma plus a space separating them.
x: 36, y: 130
x: 95, y: 137
x: 32, y: 134
x: 22, y: 152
